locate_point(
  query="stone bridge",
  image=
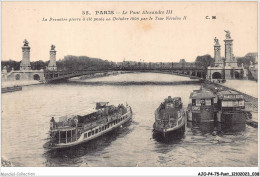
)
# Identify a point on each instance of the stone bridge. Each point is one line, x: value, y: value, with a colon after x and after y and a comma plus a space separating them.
x: 192, y: 72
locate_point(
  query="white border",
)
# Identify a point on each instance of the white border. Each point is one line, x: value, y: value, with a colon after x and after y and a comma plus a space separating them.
x: 125, y: 171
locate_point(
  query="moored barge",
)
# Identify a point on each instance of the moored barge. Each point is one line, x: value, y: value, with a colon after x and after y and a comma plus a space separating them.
x: 231, y: 106
x: 219, y: 105
x: 201, y: 108
x: 73, y: 130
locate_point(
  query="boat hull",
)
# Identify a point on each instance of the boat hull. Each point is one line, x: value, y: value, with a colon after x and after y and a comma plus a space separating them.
x: 205, y: 116
x: 231, y: 117
x: 171, y: 133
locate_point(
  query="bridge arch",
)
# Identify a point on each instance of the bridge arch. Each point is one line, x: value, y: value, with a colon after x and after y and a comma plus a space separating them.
x: 216, y: 75
x: 36, y: 77
x: 17, y: 77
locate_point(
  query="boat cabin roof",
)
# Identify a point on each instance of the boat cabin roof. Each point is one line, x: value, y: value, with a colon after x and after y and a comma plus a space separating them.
x: 229, y: 95
x: 74, y: 115
x: 202, y: 94
x: 176, y: 102
x: 89, y: 115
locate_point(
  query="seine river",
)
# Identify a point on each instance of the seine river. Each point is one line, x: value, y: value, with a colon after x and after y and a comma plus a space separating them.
x: 26, y: 115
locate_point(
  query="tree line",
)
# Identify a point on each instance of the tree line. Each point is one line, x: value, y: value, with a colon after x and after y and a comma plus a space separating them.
x: 71, y: 62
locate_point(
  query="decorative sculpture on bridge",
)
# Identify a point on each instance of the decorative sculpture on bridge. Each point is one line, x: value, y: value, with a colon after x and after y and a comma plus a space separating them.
x: 25, y: 63
x: 216, y: 41
x: 52, y: 47
x: 26, y: 43
x: 227, y: 34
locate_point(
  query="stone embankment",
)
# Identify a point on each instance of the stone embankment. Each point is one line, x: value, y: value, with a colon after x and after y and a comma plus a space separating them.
x: 20, y: 83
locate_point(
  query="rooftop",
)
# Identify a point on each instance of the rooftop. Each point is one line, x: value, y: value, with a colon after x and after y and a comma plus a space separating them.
x: 202, y: 94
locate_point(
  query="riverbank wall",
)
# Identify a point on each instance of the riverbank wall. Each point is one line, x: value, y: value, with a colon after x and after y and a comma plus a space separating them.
x: 20, y: 83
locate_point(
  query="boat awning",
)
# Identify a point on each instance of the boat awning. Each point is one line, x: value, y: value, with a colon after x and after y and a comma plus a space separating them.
x: 87, y: 112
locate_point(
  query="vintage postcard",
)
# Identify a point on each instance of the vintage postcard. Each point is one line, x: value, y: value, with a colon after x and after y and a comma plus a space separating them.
x: 129, y: 84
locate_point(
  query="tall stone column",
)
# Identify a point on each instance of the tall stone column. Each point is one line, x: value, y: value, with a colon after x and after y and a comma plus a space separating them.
x: 25, y: 64
x: 52, y: 65
x: 217, y: 55
x: 229, y: 56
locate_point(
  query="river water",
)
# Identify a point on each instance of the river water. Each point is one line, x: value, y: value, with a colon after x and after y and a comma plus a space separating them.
x: 26, y: 115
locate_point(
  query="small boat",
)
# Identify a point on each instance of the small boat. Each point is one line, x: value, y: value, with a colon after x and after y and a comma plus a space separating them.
x: 73, y: 130
x: 11, y: 89
x: 170, y: 118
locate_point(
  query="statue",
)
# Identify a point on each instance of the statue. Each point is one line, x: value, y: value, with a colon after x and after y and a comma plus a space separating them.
x: 216, y: 41
x: 227, y: 34
x: 26, y: 43
x: 52, y: 47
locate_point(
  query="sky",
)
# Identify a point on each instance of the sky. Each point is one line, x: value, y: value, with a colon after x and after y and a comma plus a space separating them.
x: 151, y: 41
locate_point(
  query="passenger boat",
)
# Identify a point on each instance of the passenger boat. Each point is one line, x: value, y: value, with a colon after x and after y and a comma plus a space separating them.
x: 201, y: 108
x: 73, y: 130
x: 170, y: 117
